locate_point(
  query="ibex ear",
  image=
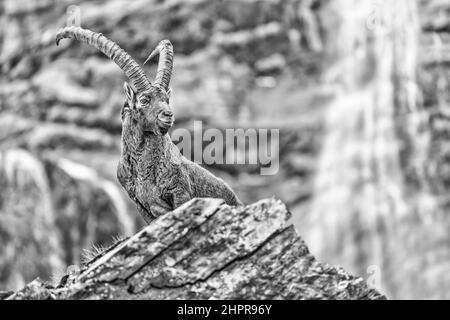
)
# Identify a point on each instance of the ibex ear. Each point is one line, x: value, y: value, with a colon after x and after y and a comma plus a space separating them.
x: 129, y: 93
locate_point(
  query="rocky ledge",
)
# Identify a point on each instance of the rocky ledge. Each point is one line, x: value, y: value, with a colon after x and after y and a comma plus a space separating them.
x: 207, y: 250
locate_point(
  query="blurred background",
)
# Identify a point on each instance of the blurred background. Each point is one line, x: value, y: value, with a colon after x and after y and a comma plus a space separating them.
x: 360, y: 91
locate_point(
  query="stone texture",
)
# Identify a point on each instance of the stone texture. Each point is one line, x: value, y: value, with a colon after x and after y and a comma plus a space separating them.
x: 208, y: 250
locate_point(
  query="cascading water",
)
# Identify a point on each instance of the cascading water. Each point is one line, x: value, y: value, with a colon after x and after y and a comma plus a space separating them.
x: 370, y: 180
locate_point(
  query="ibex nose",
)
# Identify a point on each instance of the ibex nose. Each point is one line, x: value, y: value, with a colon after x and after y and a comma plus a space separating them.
x: 167, y: 113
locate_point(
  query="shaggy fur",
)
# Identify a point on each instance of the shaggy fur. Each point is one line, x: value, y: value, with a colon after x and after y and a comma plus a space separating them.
x: 151, y: 168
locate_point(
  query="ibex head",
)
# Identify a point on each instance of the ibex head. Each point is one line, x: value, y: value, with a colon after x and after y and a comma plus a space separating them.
x: 150, y: 108
x: 147, y: 103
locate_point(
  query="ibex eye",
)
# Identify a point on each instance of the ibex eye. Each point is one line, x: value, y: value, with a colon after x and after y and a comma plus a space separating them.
x: 144, y: 100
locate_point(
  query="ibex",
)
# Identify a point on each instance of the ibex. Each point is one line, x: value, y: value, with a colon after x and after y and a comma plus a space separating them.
x: 157, y: 177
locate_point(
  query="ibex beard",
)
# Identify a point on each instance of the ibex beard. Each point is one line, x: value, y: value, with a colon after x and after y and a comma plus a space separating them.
x: 156, y: 176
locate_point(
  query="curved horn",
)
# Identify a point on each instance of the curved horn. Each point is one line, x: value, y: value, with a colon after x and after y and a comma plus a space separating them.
x: 165, y: 65
x: 131, y: 68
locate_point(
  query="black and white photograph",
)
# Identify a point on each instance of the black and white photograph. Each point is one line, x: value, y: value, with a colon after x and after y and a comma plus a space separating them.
x: 231, y: 150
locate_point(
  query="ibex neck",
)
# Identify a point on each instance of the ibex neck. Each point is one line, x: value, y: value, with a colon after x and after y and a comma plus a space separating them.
x: 144, y: 144
x: 157, y: 146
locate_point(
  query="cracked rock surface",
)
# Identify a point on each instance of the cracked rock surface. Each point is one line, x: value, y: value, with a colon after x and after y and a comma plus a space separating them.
x: 208, y: 250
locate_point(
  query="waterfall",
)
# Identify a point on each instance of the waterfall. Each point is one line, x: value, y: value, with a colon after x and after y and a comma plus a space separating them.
x: 371, y: 180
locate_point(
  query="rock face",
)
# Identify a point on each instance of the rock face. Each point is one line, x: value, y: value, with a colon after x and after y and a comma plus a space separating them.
x: 49, y: 211
x: 208, y: 250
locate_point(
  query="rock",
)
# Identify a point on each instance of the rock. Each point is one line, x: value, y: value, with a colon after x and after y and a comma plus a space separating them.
x: 207, y: 250
x: 27, y: 221
x: 35, y: 290
x: 49, y: 211
x: 5, y: 294
x: 53, y: 136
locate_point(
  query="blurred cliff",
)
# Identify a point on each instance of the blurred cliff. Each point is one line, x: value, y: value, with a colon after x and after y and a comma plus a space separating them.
x: 358, y: 89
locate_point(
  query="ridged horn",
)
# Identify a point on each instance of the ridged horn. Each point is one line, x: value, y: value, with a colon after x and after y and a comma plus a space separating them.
x: 120, y: 57
x: 165, y: 65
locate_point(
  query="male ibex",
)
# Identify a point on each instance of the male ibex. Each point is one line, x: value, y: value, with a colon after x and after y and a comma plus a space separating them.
x: 151, y: 168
